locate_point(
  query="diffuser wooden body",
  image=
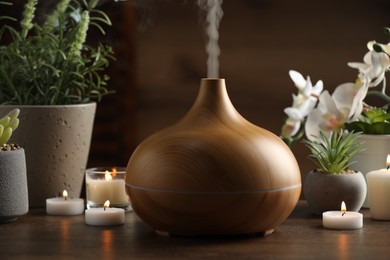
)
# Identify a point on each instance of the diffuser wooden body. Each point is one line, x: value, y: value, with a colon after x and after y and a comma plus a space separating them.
x: 213, y: 173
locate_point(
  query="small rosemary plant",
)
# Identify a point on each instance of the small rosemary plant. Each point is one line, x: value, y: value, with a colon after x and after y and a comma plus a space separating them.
x: 50, y: 63
x: 332, y: 155
x: 8, y: 124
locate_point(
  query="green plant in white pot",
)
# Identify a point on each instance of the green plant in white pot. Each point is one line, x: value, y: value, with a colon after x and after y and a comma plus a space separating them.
x: 333, y: 182
x: 50, y: 72
x: 13, y: 179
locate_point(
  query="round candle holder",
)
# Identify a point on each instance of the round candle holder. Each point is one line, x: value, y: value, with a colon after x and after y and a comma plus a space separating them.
x: 106, y: 183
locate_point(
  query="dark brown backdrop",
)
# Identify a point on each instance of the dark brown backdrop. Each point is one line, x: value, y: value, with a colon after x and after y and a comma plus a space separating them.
x: 158, y: 68
x: 260, y: 41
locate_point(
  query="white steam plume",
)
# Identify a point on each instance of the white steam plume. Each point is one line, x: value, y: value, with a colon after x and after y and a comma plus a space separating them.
x: 213, y: 18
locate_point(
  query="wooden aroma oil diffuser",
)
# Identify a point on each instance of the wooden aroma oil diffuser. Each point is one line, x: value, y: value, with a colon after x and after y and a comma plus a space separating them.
x: 213, y: 173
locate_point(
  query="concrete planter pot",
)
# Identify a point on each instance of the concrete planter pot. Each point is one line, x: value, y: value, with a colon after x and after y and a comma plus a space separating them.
x: 13, y: 185
x: 373, y: 157
x: 57, y: 141
x: 325, y: 192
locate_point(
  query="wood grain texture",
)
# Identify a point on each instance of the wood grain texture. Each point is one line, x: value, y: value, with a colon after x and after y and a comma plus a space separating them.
x: 189, y: 214
x: 187, y: 178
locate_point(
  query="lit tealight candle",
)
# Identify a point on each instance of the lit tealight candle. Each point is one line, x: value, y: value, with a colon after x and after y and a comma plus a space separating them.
x: 378, y: 183
x: 105, y: 216
x: 64, y: 205
x: 107, y: 185
x: 342, y: 219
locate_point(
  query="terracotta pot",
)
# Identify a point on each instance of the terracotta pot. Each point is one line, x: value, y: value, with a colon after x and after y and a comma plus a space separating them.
x: 57, y: 141
x: 13, y: 185
x: 213, y: 172
x: 372, y: 157
x: 325, y: 192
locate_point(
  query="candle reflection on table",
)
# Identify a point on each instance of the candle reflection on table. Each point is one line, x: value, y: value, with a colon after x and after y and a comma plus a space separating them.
x: 343, y: 245
x: 107, y: 244
x: 64, y: 233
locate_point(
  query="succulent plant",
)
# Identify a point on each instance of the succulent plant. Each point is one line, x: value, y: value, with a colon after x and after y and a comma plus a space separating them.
x: 332, y: 154
x: 8, y: 124
x: 374, y: 121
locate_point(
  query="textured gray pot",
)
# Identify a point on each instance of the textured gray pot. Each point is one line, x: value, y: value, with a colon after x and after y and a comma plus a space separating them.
x: 57, y: 141
x: 13, y: 185
x: 325, y: 192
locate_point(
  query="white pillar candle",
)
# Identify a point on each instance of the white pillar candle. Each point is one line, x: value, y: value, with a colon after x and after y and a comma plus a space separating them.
x: 104, y: 216
x: 64, y: 205
x: 106, y: 185
x: 378, y: 183
x: 342, y: 219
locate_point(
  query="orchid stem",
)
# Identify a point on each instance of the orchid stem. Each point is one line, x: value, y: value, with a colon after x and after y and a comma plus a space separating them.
x: 384, y: 86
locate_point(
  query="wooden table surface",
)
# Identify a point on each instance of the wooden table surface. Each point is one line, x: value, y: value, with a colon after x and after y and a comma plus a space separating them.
x: 39, y: 236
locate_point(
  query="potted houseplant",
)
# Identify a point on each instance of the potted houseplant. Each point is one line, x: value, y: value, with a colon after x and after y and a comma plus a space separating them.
x: 314, y: 110
x: 48, y: 70
x: 375, y: 124
x: 333, y: 182
x: 13, y: 179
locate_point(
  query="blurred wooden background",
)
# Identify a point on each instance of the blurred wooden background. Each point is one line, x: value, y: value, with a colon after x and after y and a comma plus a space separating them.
x: 159, y: 66
x: 260, y: 41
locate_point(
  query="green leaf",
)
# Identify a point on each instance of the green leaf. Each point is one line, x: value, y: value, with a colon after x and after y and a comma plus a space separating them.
x: 35, y: 68
x: 14, y: 123
x: 379, y: 128
x: 5, y: 121
x: 332, y: 154
x: 381, y: 118
x: 6, y: 135
x: 357, y: 126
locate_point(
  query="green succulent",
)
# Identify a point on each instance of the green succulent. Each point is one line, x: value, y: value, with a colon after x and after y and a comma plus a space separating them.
x: 332, y: 154
x: 374, y: 121
x: 8, y: 124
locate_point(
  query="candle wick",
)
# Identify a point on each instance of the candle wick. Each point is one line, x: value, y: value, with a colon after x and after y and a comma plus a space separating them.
x: 343, y: 213
x: 66, y: 198
x: 104, y: 208
x: 388, y: 166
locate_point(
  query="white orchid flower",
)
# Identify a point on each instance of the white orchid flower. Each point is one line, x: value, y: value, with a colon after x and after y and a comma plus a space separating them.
x: 305, y: 87
x: 386, y: 48
x: 349, y: 97
x: 345, y: 104
x: 327, y: 117
x: 374, y: 66
x: 290, y: 128
x: 303, y: 103
x: 307, y: 96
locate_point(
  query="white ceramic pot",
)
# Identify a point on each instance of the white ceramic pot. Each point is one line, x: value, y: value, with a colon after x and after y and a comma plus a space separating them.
x: 13, y: 185
x: 373, y: 157
x: 57, y: 141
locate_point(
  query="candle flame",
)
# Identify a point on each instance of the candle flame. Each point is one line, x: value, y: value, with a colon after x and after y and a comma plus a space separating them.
x: 107, y: 176
x: 388, y: 160
x: 65, y: 194
x: 343, y: 208
x: 106, y: 204
x: 113, y: 172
